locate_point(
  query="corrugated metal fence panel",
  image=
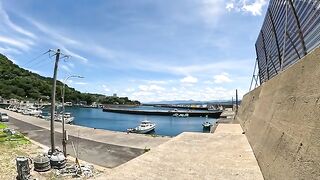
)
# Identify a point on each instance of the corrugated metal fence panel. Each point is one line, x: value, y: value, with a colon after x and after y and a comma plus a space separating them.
x: 276, y: 38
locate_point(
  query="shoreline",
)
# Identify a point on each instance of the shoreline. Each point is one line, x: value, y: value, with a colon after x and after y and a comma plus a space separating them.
x: 105, y: 148
x: 132, y: 140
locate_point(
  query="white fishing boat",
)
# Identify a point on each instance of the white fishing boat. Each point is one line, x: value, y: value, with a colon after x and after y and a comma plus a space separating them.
x: 20, y: 109
x: 180, y: 115
x: 12, y: 107
x: 184, y: 115
x: 35, y: 111
x: 143, y: 128
x: 175, y: 115
x: 32, y: 111
x: 68, y: 119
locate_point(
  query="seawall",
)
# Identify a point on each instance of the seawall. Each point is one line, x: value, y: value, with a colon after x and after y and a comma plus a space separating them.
x: 212, y: 114
x: 281, y: 120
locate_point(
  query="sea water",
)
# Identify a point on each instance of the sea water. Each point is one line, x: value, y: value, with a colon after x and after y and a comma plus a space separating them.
x: 165, y: 125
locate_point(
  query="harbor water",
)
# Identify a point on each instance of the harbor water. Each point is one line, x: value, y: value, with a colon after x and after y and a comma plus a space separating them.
x: 165, y: 125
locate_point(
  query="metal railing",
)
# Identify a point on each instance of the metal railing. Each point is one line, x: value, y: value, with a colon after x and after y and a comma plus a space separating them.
x: 291, y: 29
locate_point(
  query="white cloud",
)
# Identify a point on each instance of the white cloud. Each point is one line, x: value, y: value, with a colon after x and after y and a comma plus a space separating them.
x: 255, y: 8
x: 65, y: 67
x: 51, y: 33
x: 105, y: 88
x: 52, y: 36
x: 222, y: 78
x: 250, y: 6
x: 151, y: 87
x: 81, y: 83
x: 229, y: 6
x: 189, y: 80
x: 172, y: 68
x: 205, y: 93
x: 75, y: 55
x: 59, y: 40
x: 6, y: 20
x: 18, y: 43
x: 212, y: 10
x: 102, y: 51
x: 9, y: 50
x: 156, y: 82
x: 130, y: 90
x: 146, y: 95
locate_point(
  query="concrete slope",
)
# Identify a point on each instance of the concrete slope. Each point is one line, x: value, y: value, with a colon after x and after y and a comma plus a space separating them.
x: 226, y: 154
x: 281, y: 119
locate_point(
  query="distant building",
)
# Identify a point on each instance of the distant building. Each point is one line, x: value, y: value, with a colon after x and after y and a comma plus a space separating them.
x: 114, y: 95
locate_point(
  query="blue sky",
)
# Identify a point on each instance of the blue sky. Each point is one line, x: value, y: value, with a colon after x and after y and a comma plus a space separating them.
x: 148, y: 50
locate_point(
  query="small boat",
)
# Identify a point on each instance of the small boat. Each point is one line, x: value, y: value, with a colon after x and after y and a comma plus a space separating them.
x: 143, y: 128
x: 180, y: 115
x: 31, y: 110
x: 68, y: 119
x: 184, y: 115
x: 175, y: 115
x: 206, y: 124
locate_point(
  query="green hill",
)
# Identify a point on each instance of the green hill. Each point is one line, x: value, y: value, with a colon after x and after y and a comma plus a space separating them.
x: 18, y: 83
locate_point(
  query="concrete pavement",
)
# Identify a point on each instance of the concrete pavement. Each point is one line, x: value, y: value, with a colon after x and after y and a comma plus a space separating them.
x: 102, y: 154
x: 225, y: 154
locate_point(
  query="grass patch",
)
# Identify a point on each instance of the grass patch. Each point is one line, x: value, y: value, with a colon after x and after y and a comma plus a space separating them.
x: 3, y: 126
x: 13, y: 140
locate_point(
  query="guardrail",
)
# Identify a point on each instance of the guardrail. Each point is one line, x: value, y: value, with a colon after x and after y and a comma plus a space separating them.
x: 291, y: 29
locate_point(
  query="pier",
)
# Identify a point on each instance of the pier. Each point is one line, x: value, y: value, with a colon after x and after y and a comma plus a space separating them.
x: 111, y: 148
x: 211, y: 114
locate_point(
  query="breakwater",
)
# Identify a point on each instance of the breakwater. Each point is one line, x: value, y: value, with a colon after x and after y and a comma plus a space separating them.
x: 211, y: 114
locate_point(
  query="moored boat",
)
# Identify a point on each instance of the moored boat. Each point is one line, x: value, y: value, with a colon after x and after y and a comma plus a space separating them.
x: 206, y: 124
x: 143, y: 128
x: 68, y: 119
x: 180, y: 115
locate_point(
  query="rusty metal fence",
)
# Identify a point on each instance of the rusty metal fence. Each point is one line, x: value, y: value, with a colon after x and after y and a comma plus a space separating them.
x: 291, y: 29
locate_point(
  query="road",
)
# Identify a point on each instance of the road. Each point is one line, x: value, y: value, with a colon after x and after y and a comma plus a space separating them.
x: 102, y: 154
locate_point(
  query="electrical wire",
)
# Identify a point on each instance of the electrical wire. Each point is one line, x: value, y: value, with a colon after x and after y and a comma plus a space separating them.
x: 35, y: 58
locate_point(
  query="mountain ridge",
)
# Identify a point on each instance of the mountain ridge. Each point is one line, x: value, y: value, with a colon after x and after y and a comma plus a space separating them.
x: 22, y: 84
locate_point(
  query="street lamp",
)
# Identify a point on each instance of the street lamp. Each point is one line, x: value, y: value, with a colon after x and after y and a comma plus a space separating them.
x: 64, y: 133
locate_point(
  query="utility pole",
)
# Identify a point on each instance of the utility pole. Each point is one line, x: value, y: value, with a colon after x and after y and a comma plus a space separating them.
x: 64, y: 132
x: 232, y: 103
x: 53, y: 99
x: 237, y: 101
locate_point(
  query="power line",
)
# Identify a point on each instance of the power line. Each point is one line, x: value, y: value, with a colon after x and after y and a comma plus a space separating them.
x: 35, y: 58
x: 41, y: 63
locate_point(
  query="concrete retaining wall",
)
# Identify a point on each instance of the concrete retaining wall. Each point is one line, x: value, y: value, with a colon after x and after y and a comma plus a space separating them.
x: 281, y: 120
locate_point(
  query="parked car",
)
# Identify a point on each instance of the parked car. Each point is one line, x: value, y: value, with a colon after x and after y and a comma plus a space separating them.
x: 4, y: 117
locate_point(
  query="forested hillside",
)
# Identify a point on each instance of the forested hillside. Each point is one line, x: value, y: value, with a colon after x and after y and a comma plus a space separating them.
x: 16, y: 82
